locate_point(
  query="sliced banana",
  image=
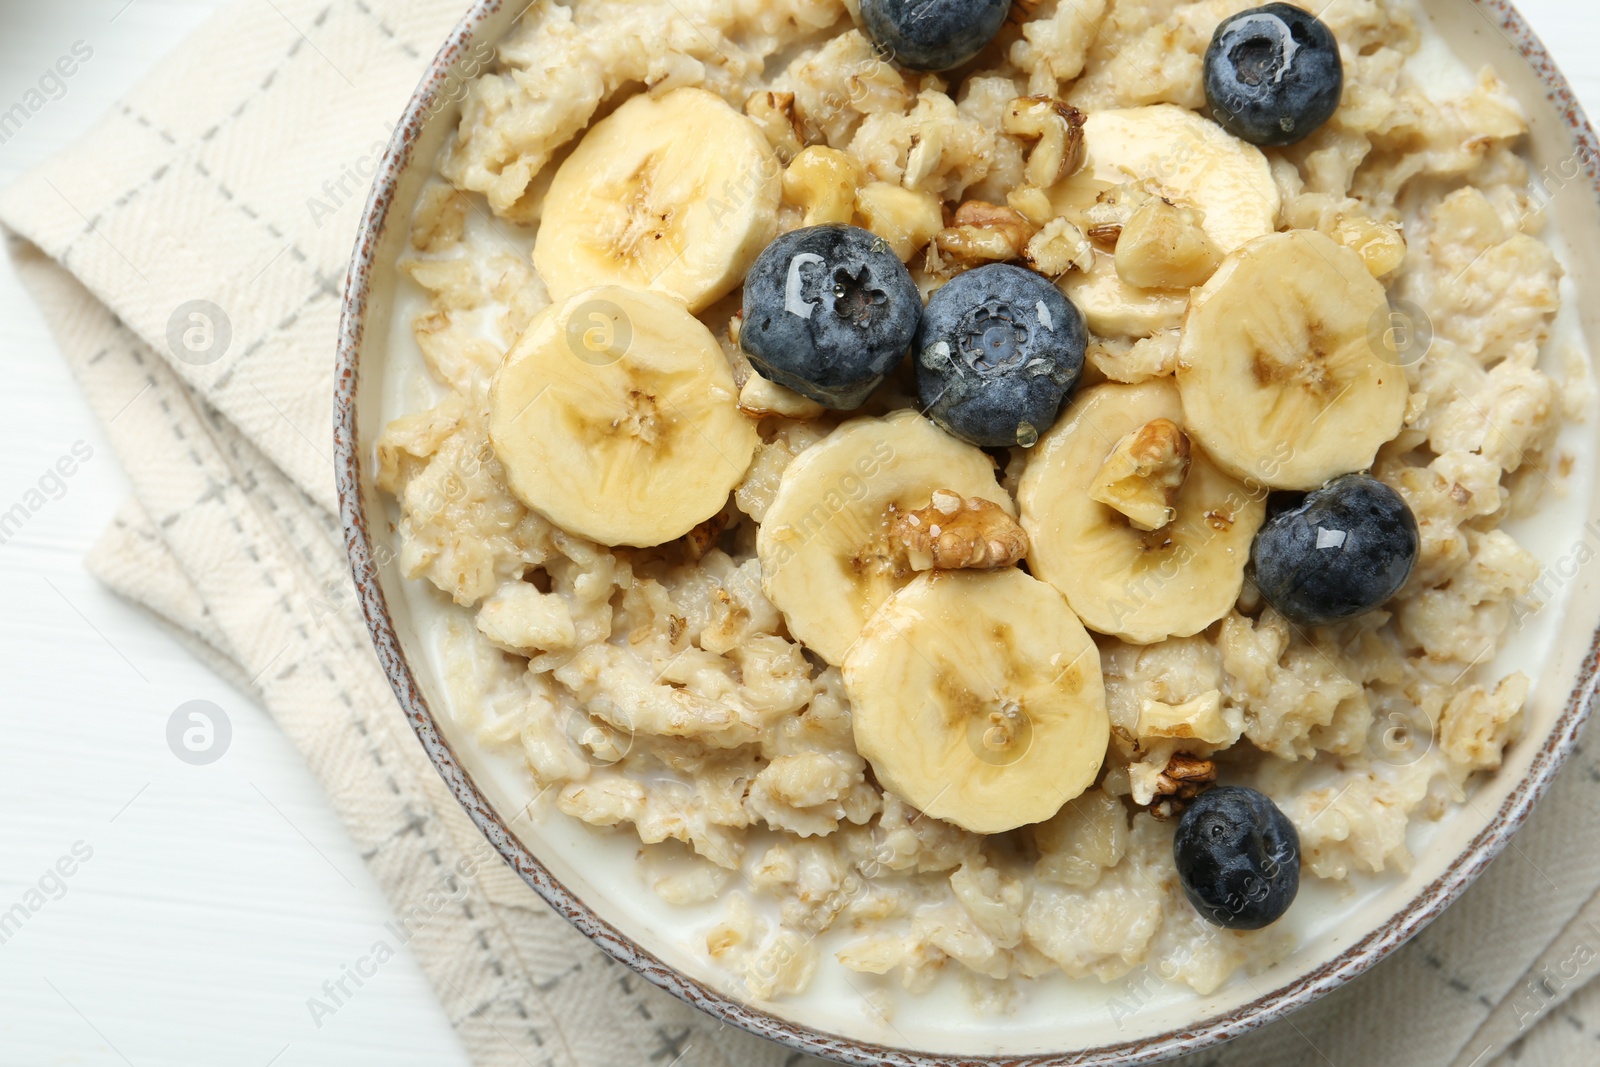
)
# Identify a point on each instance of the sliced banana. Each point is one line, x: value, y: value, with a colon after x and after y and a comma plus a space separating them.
x: 616, y: 417
x: 977, y: 696
x: 1166, y: 151
x: 1189, y: 160
x: 677, y: 193
x: 1113, y: 308
x: 827, y: 560
x: 1280, y: 381
x: 1142, y: 586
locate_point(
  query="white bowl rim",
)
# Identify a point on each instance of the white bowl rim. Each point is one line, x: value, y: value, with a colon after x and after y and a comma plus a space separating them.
x: 1426, y: 906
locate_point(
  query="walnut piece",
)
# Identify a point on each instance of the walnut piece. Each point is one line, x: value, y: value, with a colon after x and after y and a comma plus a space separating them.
x: 1057, y: 130
x: 1103, y: 220
x: 1032, y: 203
x: 1144, y: 474
x: 1162, y: 246
x: 703, y: 538
x: 1184, y: 778
x: 823, y: 181
x: 982, y: 232
x: 1058, y: 248
x: 1124, y: 359
x: 774, y: 114
x: 953, y: 533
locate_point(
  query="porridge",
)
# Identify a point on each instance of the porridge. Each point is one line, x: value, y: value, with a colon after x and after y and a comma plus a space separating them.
x: 1188, y: 495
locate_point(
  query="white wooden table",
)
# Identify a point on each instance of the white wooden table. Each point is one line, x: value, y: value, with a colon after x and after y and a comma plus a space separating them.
x: 216, y: 899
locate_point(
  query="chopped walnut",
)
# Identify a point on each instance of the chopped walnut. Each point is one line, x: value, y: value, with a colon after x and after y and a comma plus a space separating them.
x: 1032, y: 203
x: 1103, y: 220
x: 1163, y: 246
x: 953, y: 533
x: 1124, y: 359
x: 1059, y: 248
x: 1057, y: 130
x: 823, y: 181
x: 700, y: 540
x: 1144, y: 474
x: 774, y: 114
x: 1184, y: 778
x: 985, y: 233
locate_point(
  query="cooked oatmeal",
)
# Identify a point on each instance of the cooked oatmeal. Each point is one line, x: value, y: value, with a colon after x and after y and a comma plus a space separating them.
x: 660, y: 692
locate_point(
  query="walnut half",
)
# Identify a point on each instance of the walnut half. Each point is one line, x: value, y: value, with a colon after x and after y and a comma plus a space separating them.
x: 1185, y: 778
x: 982, y: 233
x: 953, y: 533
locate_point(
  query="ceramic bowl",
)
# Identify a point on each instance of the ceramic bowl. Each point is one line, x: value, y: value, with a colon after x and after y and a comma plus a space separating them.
x: 575, y: 869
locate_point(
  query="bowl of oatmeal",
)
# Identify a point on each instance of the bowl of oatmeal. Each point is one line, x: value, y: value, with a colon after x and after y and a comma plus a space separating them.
x: 1055, y: 532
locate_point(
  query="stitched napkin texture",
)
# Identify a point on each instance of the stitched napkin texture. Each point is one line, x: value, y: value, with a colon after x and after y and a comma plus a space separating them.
x: 232, y: 212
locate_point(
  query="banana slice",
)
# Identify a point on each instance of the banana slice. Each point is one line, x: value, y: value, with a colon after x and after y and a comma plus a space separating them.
x: 677, y: 193
x: 616, y: 417
x: 1171, y: 152
x: 1279, y: 379
x: 977, y: 696
x: 827, y: 559
x: 1139, y: 585
x: 1113, y: 308
x: 1189, y: 160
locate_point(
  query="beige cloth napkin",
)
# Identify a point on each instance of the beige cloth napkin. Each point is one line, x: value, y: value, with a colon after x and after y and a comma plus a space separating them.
x: 232, y: 177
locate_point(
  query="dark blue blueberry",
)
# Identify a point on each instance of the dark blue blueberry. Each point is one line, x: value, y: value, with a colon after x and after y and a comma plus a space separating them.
x: 1340, y: 552
x: 933, y: 34
x: 1238, y: 858
x: 1273, y: 74
x: 828, y: 312
x: 998, y: 351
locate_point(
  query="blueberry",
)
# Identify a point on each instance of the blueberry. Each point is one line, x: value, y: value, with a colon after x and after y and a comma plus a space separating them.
x: 998, y: 351
x: 828, y: 312
x: 1238, y: 858
x: 933, y: 34
x: 1340, y: 552
x: 1273, y: 74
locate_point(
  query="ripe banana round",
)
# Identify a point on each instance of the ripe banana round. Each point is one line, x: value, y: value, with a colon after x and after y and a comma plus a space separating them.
x: 1171, y: 152
x: 1140, y: 585
x: 616, y: 417
x: 677, y: 193
x: 1189, y: 160
x: 1113, y: 308
x: 977, y: 696
x: 827, y: 560
x: 1279, y: 380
